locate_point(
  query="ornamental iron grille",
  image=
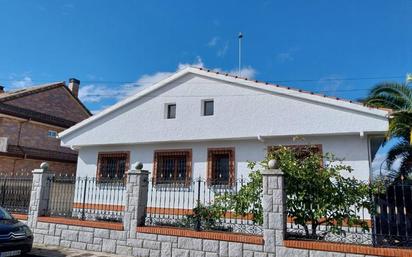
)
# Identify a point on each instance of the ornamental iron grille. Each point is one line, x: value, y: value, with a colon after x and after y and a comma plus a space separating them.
x: 190, y: 205
x: 15, y: 192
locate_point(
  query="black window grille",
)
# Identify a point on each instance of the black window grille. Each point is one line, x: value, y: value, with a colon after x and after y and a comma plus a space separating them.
x: 112, y: 165
x: 221, y: 166
x: 172, y: 167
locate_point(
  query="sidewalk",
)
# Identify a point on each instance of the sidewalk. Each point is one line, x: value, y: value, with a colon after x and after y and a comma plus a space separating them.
x: 55, y: 251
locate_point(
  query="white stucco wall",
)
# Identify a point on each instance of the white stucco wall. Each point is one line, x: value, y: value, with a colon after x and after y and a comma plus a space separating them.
x: 353, y: 148
x: 240, y: 113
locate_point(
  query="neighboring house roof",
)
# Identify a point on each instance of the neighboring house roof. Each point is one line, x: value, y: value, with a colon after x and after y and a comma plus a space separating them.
x: 35, y: 116
x: 39, y: 154
x: 10, y: 95
x: 224, y: 77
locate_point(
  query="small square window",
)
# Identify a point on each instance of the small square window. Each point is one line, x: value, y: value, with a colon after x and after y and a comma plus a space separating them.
x: 171, y: 111
x: 52, y: 133
x: 208, y: 107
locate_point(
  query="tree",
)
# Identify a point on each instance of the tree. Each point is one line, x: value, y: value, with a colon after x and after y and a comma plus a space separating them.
x: 398, y: 98
x: 320, y: 193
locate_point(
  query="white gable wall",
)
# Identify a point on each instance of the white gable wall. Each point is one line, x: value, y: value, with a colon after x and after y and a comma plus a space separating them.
x: 240, y: 112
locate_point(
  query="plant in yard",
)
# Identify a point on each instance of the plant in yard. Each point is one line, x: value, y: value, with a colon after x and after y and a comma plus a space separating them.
x: 320, y: 191
x: 398, y: 98
x: 247, y: 200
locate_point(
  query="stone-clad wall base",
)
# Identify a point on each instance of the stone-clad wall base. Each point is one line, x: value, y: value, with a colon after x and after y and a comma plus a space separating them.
x: 84, y: 238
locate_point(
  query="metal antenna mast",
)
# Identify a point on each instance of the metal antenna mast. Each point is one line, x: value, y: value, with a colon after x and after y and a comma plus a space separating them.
x: 240, y: 53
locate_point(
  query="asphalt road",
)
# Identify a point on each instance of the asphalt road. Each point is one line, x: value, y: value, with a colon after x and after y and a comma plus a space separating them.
x: 52, y: 251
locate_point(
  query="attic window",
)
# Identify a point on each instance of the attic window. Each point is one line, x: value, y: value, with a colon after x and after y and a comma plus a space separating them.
x: 171, y: 111
x: 208, y: 107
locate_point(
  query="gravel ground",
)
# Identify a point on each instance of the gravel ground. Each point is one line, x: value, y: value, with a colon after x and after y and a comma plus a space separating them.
x: 54, y: 251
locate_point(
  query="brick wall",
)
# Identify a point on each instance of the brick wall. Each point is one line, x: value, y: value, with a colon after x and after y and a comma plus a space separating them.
x: 57, y: 102
x: 11, y: 166
x: 32, y: 135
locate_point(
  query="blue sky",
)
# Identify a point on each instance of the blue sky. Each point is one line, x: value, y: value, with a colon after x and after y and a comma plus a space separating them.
x: 113, y: 47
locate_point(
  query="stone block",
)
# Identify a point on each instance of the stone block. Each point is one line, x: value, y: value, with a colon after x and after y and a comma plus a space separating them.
x: 235, y: 249
x: 223, y: 249
x: 211, y: 246
x: 354, y: 255
x: 260, y: 254
x: 42, y: 231
x: 194, y: 253
x: 253, y: 247
x: 97, y: 241
x: 189, y: 243
x: 38, y: 238
x: 154, y: 253
x: 51, y: 240
x: 146, y: 236
x: 70, y: 235
x: 118, y: 235
x: 267, y: 203
x: 211, y: 255
x: 291, y: 252
x: 86, y: 237
x: 61, y: 226
x: 140, y: 252
x: 124, y: 250
x: 176, y: 252
x: 94, y: 247
x: 43, y: 225
x: 78, y: 245
x: 247, y: 253
x: 151, y: 244
x: 109, y: 245
x: 269, y: 237
x: 325, y: 254
x: 166, y: 249
x: 65, y: 243
x: 102, y: 233
x: 135, y: 242
x: 163, y: 238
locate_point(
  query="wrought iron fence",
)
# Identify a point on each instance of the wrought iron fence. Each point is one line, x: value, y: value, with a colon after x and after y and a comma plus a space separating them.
x: 15, y: 192
x: 389, y: 222
x: 192, y: 204
x: 86, y: 198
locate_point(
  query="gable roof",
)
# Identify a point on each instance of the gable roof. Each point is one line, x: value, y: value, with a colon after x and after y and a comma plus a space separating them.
x: 253, y: 84
x: 10, y: 95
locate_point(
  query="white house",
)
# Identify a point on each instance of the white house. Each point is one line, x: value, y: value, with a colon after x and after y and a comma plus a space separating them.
x: 203, y: 123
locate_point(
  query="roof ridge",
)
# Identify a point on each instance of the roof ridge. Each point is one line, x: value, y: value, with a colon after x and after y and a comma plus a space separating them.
x: 29, y: 90
x: 280, y: 86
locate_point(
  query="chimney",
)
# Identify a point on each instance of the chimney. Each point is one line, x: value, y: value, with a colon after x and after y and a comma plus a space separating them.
x: 1, y: 89
x: 74, y: 85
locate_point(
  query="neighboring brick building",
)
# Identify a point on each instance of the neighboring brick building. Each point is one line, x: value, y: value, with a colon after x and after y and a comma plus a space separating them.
x: 30, y: 119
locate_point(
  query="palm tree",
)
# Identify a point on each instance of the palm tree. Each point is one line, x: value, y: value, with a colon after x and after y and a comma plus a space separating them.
x: 398, y: 98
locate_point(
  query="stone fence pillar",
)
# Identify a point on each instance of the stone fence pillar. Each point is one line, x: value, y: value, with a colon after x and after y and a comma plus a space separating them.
x: 274, y: 208
x: 39, y: 197
x: 135, y: 199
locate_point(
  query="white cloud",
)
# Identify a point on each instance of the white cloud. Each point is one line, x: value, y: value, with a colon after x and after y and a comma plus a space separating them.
x: 95, y: 93
x: 223, y: 50
x: 26, y: 81
x: 213, y: 41
x: 331, y: 83
x: 285, y: 57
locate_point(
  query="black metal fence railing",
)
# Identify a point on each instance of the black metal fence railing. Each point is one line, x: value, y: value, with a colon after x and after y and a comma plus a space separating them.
x: 15, y: 192
x: 389, y: 222
x: 86, y: 198
x: 192, y: 204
